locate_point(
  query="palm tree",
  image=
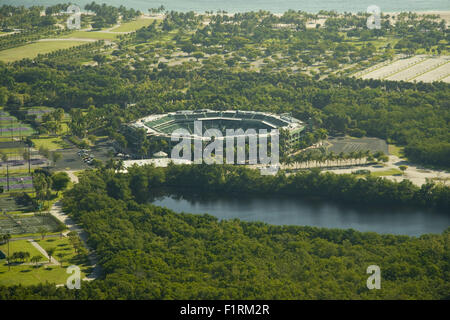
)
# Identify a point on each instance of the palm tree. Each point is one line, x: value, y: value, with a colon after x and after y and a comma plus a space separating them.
x: 308, y: 158
x: 55, y: 157
x: 360, y: 155
x: 6, y: 238
x: 367, y: 154
x: 352, y: 156
x: 27, y: 157
x: 42, y: 231
x: 50, y: 253
x: 35, y: 259
x: 330, y: 158
x: 60, y: 258
x: 25, y: 256
x: 341, y: 156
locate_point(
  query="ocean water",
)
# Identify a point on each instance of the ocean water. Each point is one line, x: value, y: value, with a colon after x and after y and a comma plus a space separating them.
x: 275, y: 6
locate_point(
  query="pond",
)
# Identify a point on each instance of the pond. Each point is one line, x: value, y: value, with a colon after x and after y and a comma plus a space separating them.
x: 279, y: 210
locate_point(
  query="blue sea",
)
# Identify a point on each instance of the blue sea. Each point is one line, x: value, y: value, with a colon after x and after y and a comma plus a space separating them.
x: 275, y: 6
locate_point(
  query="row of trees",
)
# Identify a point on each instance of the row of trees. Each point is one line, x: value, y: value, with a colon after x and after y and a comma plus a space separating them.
x: 320, y: 156
x: 106, y: 15
x: 44, y: 183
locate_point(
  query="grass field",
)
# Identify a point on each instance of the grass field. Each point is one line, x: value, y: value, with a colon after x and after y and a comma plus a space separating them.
x: 64, y: 252
x: 386, y: 173
x: 31, y: 274
x: 98, y: 35
x: 49, y: 143
x: 33, y: 49
x: 21, y: 245
x: 396, y: 151
x: 133, y: 25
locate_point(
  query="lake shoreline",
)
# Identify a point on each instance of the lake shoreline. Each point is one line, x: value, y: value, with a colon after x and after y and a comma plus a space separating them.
x: 282, y: 211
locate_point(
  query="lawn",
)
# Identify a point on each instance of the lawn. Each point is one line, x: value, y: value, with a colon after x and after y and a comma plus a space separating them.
x: 30, y: 274
x: 133, y: 25
x: 21, y: 245
x: 33, y: 49
x: 396, y: 151
x: 51, y: 143
x: 390, y: 172
x: 62, y: 247
x: 97, y: 35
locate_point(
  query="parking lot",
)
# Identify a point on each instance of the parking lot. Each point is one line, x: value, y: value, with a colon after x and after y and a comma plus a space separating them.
x: 72, y: 159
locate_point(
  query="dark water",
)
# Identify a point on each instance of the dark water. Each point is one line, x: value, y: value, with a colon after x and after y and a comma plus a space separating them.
x: 290, y: 211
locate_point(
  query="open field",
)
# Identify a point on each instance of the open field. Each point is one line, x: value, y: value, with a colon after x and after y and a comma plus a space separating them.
x: 396, y: 150
x: 418, y: 68
x: 133, y: 25
x: 386, y: 173
x: 97, y: 35
x: 33, y: 274
x: 30, y: 275
x: 50, y: 143
x: 64, y: 252
x: 33, y: 49
x: 21, y: 245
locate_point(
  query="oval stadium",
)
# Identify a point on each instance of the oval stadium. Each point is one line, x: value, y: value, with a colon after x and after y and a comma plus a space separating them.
x: 161, y: 126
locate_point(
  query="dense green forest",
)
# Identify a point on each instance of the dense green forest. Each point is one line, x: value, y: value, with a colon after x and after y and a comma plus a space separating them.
x: 149, y: 252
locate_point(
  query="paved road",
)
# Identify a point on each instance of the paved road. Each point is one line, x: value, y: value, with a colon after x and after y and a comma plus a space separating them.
x: 72, y: 176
